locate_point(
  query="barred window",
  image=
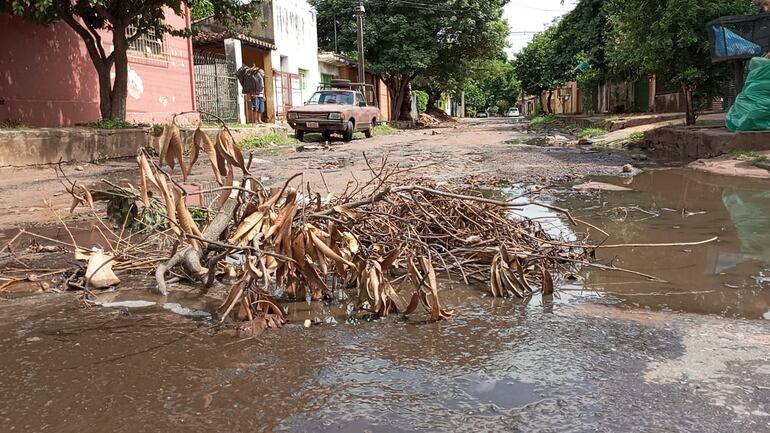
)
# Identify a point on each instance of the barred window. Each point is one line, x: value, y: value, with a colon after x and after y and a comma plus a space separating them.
x: 149, y: 46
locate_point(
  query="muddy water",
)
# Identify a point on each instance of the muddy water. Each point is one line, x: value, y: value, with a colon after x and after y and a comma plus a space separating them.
x: 728, y: 277
x: 573, y: 364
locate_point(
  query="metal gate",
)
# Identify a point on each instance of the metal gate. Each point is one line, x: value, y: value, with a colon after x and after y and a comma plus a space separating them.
x: 216, y: 87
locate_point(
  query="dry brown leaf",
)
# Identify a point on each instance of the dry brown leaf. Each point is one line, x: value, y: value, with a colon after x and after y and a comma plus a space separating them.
x: 328, y: 252
x: 174, y: 152
x: 183, y: 214
x: 168, y: 199
x: 247, y: 225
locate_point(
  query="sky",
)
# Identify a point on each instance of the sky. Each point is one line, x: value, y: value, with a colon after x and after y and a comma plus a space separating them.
x: 527, y: 17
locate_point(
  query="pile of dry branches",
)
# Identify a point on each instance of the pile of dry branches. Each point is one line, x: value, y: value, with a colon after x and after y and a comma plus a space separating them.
x: 382, y: 239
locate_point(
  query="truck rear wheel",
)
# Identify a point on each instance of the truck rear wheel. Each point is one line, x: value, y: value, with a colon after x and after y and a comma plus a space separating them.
x: 347, y: 135
x: 299, y: 135
x: 369, y: 133
x: 327, y: 136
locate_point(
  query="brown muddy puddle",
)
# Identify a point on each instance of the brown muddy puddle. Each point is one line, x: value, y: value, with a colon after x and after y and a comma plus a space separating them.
x: 499, y: 365
x: 730, y: 277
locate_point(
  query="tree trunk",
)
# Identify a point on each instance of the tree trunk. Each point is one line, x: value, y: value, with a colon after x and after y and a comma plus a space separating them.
x: 119, y: 90
x: 398, y: 86
x: 105, y: 88
x: 433, y: 97
x: 548, y: 103
x: 406, y: 106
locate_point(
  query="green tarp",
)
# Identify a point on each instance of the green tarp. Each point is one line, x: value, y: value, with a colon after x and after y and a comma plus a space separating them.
x: 751, y: 111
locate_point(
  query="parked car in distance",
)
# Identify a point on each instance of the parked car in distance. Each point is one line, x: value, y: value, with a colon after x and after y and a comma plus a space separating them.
x: 336, y: 111
x: 482, y: 113
x: 512, y: 112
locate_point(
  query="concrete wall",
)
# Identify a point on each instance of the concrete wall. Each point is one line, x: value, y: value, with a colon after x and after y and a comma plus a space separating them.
x: 24, y: 147
x: 48, y: 79
x: 50, y: 145
x: 690, y: 143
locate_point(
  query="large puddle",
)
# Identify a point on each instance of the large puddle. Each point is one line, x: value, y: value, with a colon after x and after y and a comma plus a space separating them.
x: 498, y: 365
x: 730, y: 277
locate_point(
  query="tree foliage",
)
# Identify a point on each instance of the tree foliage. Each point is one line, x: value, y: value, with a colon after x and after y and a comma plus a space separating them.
x: 494, y: 85
x: 92, y: 19
x: 537, y: 65
x: 668, y: 38
x: 404, y: 40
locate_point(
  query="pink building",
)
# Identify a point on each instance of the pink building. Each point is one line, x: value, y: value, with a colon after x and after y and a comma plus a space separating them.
x: 47, y: 78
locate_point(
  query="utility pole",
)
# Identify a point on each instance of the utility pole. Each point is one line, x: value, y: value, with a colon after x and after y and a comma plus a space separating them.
x: 360, y: 12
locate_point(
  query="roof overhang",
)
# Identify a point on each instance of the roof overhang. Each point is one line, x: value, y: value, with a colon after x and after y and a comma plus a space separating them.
x: 208, y: 38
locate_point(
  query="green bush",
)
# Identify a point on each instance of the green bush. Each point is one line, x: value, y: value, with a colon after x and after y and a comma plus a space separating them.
x: 384, y: 129
x: 13, y: 124
x: 636, y: 135
x: 592, y: 132
x: 544, y: 119
x: 110, y: 124
x: 751, y: 157
x: 422, y: 101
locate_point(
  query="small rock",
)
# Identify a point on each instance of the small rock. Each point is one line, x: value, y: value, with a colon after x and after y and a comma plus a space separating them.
x: 628, y: 168
x: 33, y: 339
x: 307, y: 323
x: 79, y: 168
x: 435, y: 133
x: 585, y: 142
x: 639, y: 157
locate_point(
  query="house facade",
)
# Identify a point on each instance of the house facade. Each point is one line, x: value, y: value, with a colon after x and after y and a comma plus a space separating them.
x: 47, y: 78
x: 283, y: 43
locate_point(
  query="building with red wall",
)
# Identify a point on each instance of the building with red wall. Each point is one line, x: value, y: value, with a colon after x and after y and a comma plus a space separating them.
x: 47, y: 78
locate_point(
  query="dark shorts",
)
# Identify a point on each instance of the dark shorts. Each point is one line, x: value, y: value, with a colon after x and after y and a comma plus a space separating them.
x: 258, y: 104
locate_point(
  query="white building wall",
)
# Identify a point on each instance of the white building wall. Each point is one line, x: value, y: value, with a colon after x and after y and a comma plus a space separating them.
x: 296, y: 41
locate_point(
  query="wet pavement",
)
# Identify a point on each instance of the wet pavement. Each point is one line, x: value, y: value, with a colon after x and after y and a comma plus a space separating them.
x: 612, y: 352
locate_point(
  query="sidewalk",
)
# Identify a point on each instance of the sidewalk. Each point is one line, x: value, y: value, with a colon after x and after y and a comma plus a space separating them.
x: 618, y: 122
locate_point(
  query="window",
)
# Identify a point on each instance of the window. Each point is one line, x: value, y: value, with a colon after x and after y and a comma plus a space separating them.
x: 148, y: 47
x: 326, y: 79
x: 360, y: 99
x: 303, y: 77
x: 332, y: 97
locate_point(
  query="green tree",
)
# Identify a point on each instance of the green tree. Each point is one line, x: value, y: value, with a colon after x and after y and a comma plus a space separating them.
x: 91, y: 19
x: 668, y: 38
x: 537, y: 66
x: 500, y: 86
x: 405, y: 39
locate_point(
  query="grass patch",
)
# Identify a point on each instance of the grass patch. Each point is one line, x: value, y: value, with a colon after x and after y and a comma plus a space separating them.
x: 545, y: 119
x: 514, y: 141
x: 263, y: 141
x: 384, y: 129
x: 110, y: 124
x: 751, y: 157
x: 231, y: 125
x: 636, y: 135
x: 592, y: 132
x: 13, y: 124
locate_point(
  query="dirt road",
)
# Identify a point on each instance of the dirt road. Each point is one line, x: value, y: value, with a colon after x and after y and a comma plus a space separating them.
x: 479, y: 149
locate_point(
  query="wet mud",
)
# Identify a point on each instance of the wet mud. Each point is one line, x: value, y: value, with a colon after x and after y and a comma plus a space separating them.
x: 610, y: 352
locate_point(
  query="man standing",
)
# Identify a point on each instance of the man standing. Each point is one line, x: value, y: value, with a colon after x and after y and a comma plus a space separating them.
x: 259, y: 97
x: 253, y: 86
